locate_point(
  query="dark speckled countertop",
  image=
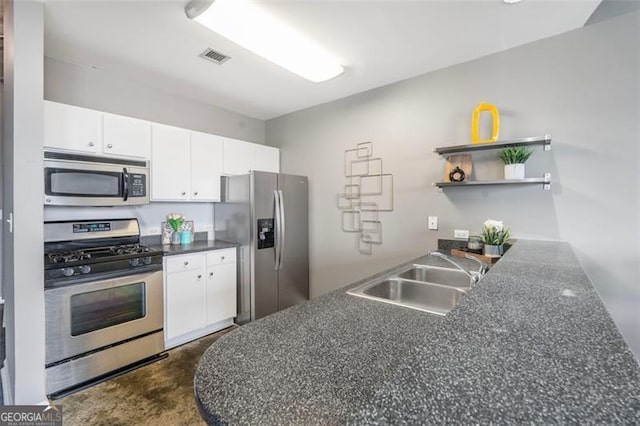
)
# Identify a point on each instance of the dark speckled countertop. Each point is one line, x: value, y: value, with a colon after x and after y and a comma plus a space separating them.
x: 530, y: 343
x: 196, y: 246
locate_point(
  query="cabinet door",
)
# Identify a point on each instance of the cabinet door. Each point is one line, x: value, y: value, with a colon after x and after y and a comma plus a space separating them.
x: 124, y: 136
x: 169, y: 163
x: 206, y: 166
x: 221, y: 292
x: 71, y: 128
x: 238, y: 156
x: 185, y: 308
x: 266, y: 158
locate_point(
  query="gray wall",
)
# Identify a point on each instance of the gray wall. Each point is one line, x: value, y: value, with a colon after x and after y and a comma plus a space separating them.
x: 582, y: 87
x: 93, y: 88
x: 22, y: 192
x: 608, y: 9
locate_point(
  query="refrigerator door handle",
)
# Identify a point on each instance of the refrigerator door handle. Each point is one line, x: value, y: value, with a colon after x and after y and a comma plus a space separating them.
x: 283, y: 228
x: 276, y: 197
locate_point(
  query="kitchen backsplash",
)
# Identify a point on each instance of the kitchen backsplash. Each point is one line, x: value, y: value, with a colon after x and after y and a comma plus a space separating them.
x: 150, y: 215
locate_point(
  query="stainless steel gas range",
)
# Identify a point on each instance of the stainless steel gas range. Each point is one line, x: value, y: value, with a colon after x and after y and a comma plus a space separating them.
x: 103, y: 301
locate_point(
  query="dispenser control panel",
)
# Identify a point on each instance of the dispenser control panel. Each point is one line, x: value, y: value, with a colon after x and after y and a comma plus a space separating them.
x: 265, y: 233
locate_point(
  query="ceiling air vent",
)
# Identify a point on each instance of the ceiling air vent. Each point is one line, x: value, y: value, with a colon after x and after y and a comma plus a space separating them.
x: 214, y: 56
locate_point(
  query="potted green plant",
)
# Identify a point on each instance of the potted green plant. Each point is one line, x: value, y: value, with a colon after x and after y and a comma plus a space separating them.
x: 494, y: 235
x: 514, y: 159
x: 176, y: 220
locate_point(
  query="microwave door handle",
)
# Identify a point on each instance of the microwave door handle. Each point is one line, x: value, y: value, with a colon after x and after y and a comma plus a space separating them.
x: 125, y: 184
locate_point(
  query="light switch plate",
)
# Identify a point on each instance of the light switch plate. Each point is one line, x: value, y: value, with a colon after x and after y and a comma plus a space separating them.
x: 433, y: 223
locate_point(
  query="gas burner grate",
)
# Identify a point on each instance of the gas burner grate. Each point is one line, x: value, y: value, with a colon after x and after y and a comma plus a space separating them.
x: 129, y: 249
x: 69, y: 256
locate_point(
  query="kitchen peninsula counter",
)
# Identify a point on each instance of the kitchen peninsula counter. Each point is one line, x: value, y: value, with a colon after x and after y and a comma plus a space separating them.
x: 530, y: 343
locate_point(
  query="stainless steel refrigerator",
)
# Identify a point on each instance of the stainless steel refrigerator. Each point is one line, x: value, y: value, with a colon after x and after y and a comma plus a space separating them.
x: 268, y: 215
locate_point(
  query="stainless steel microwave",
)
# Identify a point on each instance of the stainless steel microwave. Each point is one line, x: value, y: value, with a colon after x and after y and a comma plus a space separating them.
x: 82, y: 180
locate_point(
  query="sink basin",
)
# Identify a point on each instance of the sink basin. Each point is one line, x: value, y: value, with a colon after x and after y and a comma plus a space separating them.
x: 428, y: 297
x: 438, y: 275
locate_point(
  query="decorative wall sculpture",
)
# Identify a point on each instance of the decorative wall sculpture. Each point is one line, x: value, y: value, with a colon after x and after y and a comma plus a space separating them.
x: 367, y: 192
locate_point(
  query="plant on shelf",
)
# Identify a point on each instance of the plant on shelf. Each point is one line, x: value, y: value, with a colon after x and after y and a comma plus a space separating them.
x: 176, y: 220
x: 514, y: 159
x: 494, y: 235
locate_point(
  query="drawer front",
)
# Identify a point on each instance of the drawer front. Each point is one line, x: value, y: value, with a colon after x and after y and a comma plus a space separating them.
x: 184, y: 263
x: 217, y: 257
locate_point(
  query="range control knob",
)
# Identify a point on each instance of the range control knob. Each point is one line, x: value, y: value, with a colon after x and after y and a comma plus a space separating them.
x: 67, y: 272
x: 134, y: 262
x: 85, y: 269
x: 146, y: 261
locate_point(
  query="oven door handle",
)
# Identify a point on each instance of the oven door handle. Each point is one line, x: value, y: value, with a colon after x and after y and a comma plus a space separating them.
x: 125, y: 184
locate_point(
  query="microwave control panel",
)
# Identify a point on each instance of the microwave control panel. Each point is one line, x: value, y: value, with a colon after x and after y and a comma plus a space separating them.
x: 137, y: 185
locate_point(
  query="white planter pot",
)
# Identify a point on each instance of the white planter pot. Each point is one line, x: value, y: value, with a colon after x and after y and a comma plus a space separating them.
x: 514, y: 171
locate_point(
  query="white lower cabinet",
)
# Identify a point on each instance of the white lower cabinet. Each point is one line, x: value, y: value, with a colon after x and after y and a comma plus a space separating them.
x: 200, y: 294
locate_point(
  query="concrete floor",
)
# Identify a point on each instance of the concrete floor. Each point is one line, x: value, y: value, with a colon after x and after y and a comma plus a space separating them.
x: 160, y: 393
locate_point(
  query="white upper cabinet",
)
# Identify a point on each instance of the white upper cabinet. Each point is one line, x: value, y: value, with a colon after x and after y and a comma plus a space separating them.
x: 185, y: 166
x: 125, y: 136
x: 238, y: 157
x: 86, y: 131
x: 170, y: 158
x: 72, y: 128
x: 266, y: 158
x: 206, y: 166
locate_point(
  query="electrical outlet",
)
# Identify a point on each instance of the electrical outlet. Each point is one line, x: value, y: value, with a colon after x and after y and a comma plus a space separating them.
x: 153, y: 231
x: 461, y: 233
x: 433, y: 223
x: 207, y: 227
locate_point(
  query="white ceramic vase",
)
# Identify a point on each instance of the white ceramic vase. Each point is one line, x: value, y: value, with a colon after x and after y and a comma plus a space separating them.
x: 514, y: 171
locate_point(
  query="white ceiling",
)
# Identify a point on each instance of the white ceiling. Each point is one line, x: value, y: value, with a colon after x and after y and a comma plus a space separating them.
x: 378, y: 42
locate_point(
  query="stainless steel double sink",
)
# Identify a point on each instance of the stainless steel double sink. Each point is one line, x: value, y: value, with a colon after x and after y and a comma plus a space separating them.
x: 426, y: 288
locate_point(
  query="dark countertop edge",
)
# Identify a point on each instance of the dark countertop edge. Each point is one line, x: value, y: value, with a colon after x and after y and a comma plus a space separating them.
x: 195, y: 247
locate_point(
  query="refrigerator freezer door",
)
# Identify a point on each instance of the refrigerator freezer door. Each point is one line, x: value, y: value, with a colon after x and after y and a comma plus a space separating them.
x: 293, y: 273
x: 264, y: 299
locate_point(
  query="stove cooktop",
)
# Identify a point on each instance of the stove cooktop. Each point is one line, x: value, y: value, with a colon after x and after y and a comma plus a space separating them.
x: 96, y: 254
x: 66, y: 267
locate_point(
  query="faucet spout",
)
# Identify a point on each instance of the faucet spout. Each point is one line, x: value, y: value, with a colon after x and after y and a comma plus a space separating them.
x: 454, y: 263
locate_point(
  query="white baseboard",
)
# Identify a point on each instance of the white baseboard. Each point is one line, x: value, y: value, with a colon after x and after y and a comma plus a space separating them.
x: 6, y: 391
x: 196, y: 334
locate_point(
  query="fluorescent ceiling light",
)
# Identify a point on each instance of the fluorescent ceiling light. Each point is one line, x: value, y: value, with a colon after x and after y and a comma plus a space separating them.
x: 244, y: 23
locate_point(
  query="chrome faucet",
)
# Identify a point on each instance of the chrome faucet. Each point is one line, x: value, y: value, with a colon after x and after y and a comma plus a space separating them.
x: 474, y: 277
x: 484, y: 268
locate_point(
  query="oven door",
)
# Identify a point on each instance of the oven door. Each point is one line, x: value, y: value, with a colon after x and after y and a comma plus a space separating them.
x: 84, y: 317
x: 93, y: 182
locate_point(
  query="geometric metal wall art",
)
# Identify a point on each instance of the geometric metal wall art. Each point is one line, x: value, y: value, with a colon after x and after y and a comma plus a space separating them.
x: 367, y: 192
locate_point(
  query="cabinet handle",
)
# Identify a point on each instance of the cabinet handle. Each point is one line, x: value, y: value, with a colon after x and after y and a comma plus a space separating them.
x: 210, y: 274
x: 91, y: 144
x: 195, y: 193
x: 186, y: 263
x: 199, y: 276
x: 221, y: 257
x: 109, y: 146
x: 184, y: 193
